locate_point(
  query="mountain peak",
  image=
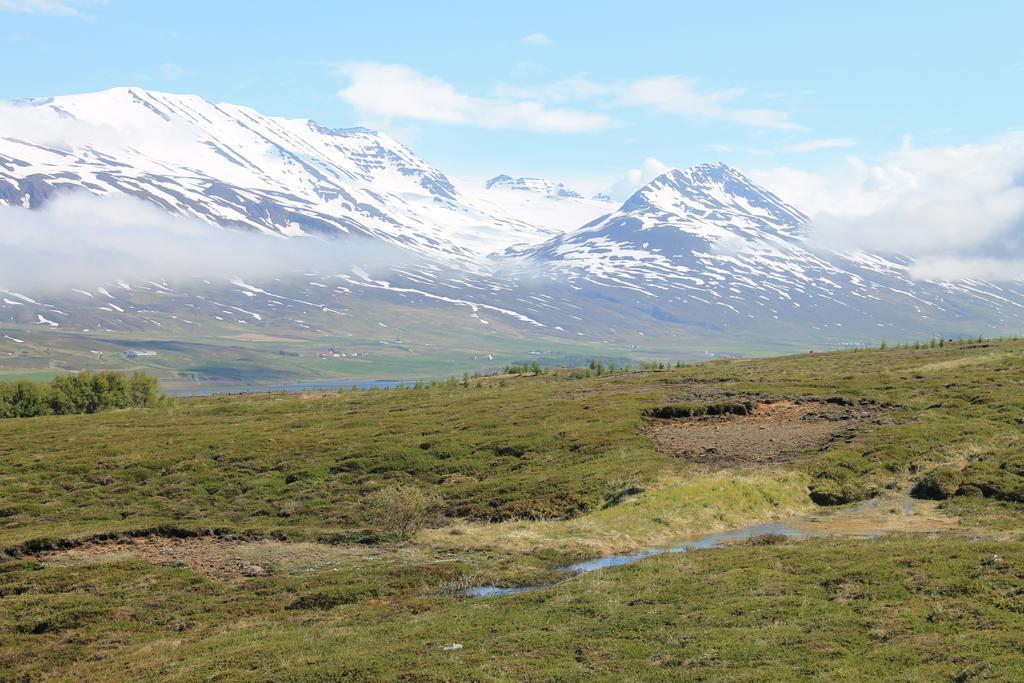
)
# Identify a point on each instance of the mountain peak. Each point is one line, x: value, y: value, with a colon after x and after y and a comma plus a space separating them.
x: 233, y: 166
x: 539, y: 186
x: 713, y: 191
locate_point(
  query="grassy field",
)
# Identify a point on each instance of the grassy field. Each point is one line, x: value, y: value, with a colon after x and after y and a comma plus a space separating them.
x: 380, y: 341
x: 228, y: 538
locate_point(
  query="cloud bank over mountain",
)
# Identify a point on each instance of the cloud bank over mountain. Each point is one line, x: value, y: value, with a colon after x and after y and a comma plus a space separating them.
x: 81, y: 240
x: 958, y: 211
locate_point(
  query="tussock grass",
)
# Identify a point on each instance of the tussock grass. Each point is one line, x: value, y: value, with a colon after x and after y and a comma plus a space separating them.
x: 676, y: 507
x: 528, y: 472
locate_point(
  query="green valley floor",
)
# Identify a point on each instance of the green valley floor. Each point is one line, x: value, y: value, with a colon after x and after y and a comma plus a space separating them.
x: 329, y: 536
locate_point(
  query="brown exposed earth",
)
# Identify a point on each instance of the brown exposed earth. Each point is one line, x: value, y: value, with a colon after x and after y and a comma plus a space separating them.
x: 216, y: 558
x: 775, y: 432
x: 234, y: 559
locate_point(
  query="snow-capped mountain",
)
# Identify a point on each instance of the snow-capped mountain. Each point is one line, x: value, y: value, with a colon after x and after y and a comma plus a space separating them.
x: 702, y: 253
x: 708, y: 244
x: 234, y: 167
x: 539, y: 186
x: 542, y: 202
x: 676, y: 218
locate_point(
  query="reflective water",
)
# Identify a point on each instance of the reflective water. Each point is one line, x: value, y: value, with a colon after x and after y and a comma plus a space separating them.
x: 701, y: 542
x: 321, y: 385
x: 709, y: 541
x: 489, y: 591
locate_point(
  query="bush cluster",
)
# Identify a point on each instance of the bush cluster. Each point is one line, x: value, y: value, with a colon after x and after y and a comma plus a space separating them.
x: 700, y: 410
x: 81, y: 393
x: 1001, y: 478
x: 398, y: 512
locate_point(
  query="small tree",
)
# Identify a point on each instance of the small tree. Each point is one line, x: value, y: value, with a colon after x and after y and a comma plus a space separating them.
x: 28, y: 400
x: 400, y: 511
x: 143, y: 389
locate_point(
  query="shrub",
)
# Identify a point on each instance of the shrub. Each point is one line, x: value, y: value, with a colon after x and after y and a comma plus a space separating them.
x: 81, y: 393
x: 620, y: 491
x: 768, y: 539
x: 825, y: 491
x: 400, y: 511
x: 938, y: 484
x: 675, y: 410
x: 695, y: 410
x: 26, y: 399
x: 326, y: 600
x: 143, y: 389
x: 999, y: 482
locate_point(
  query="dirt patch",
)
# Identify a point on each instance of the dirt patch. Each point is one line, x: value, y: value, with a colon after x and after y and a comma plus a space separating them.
x: 775, y: 432
x: 235, y: 559
x: 213, y: 557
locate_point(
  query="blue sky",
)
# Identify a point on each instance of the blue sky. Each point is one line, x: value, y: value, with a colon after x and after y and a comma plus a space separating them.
x: 573, y: 91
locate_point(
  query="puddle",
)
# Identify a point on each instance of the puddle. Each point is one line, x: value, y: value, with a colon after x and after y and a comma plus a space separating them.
x: 709, y: 541
x: 869, y: 519
x: 703, y: 542
x: 490, y: 591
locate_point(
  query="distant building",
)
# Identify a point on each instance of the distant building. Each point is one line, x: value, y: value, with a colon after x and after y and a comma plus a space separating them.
x: 330, y: 354
x: 138, y: 354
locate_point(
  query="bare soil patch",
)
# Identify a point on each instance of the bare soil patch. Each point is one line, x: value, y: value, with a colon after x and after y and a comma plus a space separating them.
x: 229, y: 559
x: 775, y: 432
x: 207, y: 555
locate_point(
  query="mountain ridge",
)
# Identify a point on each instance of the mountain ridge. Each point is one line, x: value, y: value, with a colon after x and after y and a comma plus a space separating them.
x: 231, y: 166
x: 540, y: 186
x: 702, y: 248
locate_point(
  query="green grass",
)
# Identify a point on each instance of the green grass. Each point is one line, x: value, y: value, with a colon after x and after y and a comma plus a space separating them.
x: 537, y: 448
x: 29, y: 375
x: 913, y: 609
x: 531, y: 473
x: 419, y: 342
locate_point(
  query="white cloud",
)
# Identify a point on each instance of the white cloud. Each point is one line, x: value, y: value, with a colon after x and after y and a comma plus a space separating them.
x: 537, y: 39
x: 809, y: 192
x: 397, y: 91
x: 44, y: 125
x: 968, y: 268
x: 635, y: 178
x: 958, y: 211
x: 81, y: 240
x: 677, y: 95
x: 666, y: 94
x: 170, y: 71
x: 58, y: 7
x: 826, y: 143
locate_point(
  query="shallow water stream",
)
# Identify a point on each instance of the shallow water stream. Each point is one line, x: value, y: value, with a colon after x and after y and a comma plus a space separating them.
x: 869, y: 519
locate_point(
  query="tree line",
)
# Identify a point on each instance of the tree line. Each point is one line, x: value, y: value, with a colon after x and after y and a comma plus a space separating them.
x: 82, y: 393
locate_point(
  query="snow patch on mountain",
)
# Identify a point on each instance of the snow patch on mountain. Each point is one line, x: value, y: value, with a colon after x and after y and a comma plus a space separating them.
x: 536, y: 185
x: 538, y: 202
x: 234, y: 167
